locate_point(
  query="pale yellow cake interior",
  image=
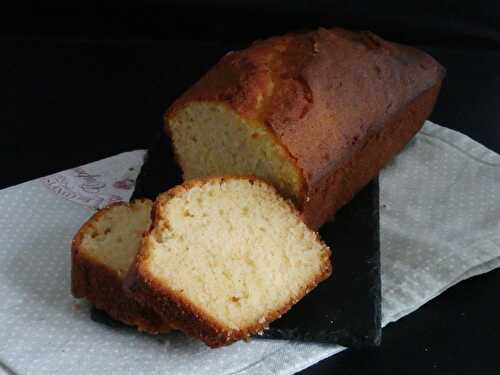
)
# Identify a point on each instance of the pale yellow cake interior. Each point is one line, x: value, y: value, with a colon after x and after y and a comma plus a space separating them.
x: 114, y: 238
x: 235, y: 250
x: 210, y: 139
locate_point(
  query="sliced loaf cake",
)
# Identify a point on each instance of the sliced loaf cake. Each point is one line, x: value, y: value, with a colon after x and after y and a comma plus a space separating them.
x: 316, y: 114
x: 102, y: 252
x: 225, y: 257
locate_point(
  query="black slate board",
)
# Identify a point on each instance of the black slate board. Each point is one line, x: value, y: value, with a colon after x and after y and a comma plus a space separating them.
x: 345, y: 309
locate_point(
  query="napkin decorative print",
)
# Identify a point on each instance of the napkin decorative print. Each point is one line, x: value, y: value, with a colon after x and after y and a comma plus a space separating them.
x: 80, y: 186
x: 94, y: 188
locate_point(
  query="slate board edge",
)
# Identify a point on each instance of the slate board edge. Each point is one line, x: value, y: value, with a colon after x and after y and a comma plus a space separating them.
x: 160, y: 156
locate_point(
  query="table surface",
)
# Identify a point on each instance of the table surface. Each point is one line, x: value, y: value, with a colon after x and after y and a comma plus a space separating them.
x: 75, y: 100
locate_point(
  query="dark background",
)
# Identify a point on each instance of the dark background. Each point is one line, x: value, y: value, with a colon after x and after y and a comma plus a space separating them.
x: 85, y: 80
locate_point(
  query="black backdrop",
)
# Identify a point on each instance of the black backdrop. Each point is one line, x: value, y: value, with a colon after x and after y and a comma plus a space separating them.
x: 85, y: 80
x: 430, y: 22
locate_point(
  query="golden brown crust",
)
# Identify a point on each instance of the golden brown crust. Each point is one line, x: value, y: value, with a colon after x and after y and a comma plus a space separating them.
x: 323, y: 94
x: 336, y: 189
x: 102, y: 286
x: 179, y: 311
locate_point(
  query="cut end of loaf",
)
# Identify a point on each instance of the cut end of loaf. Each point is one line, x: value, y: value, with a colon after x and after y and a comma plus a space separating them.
x: 210, y: 139
x: 227, y: 256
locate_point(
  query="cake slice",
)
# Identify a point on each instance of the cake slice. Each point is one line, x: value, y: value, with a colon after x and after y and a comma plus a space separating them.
x: 102, y: 252
x: 225, y: 257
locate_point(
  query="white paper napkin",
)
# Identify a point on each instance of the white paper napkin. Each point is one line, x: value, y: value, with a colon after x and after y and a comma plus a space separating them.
x: 440, y: 224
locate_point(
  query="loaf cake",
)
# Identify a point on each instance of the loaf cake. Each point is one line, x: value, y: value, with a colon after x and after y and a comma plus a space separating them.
x: 102, y: 252
x: 316, y: 114
x: 225, y: 257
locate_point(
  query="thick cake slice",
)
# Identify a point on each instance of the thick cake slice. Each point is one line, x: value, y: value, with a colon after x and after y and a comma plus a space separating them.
x: 102, y: 252
x: 225, y: 257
